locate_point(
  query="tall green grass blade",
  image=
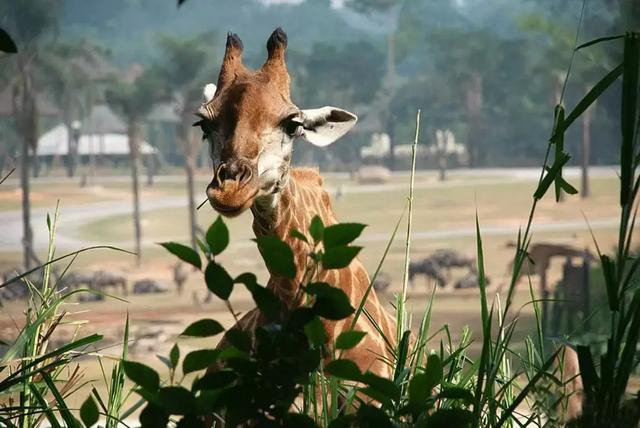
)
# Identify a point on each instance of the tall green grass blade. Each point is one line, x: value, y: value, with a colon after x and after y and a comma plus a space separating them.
x: 66, y: 415
x: 599, y: 40
x: 527, y: 389
x: 360, y: 307
x: 57, y: 352
x: 51, y: 418
x: 628, y: 113
x: 400, y: 317
x: 595, y: 93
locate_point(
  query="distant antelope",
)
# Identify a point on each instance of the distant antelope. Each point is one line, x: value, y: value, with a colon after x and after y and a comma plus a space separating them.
x: 180, y: 276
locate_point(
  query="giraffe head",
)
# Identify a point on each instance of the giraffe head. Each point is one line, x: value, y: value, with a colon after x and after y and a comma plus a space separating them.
x: 251, y: 123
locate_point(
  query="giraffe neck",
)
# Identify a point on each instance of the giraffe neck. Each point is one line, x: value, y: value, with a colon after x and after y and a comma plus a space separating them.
x: 301, y: 198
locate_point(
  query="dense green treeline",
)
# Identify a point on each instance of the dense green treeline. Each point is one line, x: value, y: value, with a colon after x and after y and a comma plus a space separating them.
x: 487, y: 70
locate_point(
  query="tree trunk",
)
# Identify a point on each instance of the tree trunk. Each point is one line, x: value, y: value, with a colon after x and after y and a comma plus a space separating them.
x: 391, y: 59
x: 190, y: 152
x: 191, y: 202
x: 474, y: 111
x: 26, y: 115
x: 587, y: 118
x: 442, y: 166
x: 133, y: 156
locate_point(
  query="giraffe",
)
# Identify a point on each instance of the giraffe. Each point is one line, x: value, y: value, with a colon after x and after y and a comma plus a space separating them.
x: 251, y: 123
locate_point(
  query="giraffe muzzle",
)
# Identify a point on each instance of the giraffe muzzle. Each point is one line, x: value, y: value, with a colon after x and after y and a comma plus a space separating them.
x: 233, y: 188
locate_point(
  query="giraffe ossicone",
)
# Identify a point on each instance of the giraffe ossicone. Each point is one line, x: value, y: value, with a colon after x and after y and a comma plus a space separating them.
x: 250, y: 123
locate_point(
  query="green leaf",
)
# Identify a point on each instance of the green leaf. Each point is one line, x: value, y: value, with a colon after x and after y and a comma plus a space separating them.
x: 457, y: 393
x: 587, y: 369
x: 315, y: 332
x: 591, y: 96
x: 298, y: 420
x: 204, y: 247
x: 419, y: 391
x: 217, y: 236
x: 184, y: 253
x: 349, y: 339
x: 177, y: 400
x: 6, y: 43
x: 199, y: 360
x: 174, y: 354
x: 142, y: 375
x: 331, y: 302
x: 218, y: 280
x: 345, y: 369
x: 294, y: 233
x: 558, y: 141
x: 433, y: 371
x: 341, y: 234
x: 239, y: 338
x: 266, y: 301
x: 447, y: 418
x: 215, y: 380
x: 89, y: 412
x: 551, y: 175
x: 165, y: 361
x: 277, y: 255
x: 380, y: 385
x: 316, y: 228
x: 153, y: 416
x: 203, y: 328
x: 339, y: 257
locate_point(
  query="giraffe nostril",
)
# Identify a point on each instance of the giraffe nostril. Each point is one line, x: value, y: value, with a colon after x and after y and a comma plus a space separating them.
x: 221, y: 174
x: 245, y: 174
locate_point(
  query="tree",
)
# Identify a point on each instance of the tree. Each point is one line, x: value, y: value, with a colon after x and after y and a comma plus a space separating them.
x: 184, y: 71
x: 30, y: 23
x: 584, y: 73
x: 134, y: 100
x: 73, y: 68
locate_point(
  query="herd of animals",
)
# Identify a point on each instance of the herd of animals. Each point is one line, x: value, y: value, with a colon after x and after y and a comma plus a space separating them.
x: 103, y: 282
x: 436, y: 267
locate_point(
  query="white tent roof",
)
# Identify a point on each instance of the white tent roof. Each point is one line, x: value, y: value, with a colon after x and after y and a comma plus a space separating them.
x: 56, y: 142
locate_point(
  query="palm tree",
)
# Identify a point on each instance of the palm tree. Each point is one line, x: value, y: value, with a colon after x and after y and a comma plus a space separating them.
x: 30, y: 23
x: 134, y: 100
x: 185, y: 70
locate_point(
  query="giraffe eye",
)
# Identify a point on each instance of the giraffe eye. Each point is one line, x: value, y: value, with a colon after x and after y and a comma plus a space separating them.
x: 293, y: 128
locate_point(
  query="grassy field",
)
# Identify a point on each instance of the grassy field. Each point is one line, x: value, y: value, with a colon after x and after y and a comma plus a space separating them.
x: 443, y: 218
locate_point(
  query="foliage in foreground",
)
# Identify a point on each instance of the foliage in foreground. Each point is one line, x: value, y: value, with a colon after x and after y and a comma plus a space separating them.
x: 275, y: 377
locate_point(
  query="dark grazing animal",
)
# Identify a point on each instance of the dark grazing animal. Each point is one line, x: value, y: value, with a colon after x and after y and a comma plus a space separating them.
x: 427, y: 267
x: 470, y: 281
x: 77, y: 279
x: 103, y: 280
x: 382, y: 282
x: 149, y: 286
x: 449, y: 259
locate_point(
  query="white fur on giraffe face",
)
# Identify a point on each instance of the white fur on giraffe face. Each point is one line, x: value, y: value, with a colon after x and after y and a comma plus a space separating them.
x: 273, y: 160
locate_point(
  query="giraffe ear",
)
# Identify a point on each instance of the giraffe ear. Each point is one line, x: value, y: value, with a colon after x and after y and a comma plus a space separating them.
x: 323, y: 126
x: 208, y: 92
